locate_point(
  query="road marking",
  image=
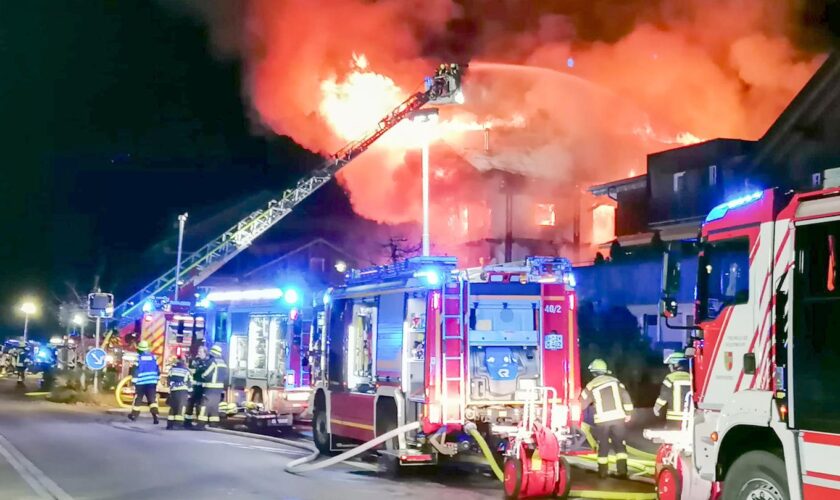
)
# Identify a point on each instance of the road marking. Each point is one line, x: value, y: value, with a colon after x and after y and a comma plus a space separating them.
x: 282, y: 451
x: 34, y: 477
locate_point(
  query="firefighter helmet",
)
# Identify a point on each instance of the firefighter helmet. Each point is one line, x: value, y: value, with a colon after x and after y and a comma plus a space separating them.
x: 143, y: 346
x: 216, y: 350
x: 675, y: 358
x: 598, y: 366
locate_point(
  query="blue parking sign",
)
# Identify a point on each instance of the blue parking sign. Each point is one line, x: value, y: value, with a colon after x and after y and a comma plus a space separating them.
x: 95, y: 359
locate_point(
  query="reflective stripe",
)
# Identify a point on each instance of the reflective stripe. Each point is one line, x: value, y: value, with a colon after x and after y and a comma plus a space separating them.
x: 660, y: 402
x: 667, y: 383
x: 179, y: 418
x: 180, y: 388
x: 214, y: 385
x: 621, y: 456
x: 215, y: 419
x: 674, y: 415
x: 628, y: 407
x: 603, y: 460
x: 171, y: 418
x: 202, y: 418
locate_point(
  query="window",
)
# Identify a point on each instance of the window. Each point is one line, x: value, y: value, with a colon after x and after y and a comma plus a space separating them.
x: 316, y: 265
x: 220, y: 333
x: 507, y: 317
x: 723, y: 276
x: 360, y: 344
x: 712, y: 175
x: 816, y: 344
x: 679, y: 181
x: 544, y: 215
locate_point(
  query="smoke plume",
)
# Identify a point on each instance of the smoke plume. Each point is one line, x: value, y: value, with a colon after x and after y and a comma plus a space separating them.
x: 574, y: 92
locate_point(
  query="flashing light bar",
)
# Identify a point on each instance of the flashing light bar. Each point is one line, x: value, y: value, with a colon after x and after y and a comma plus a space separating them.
x: 240, y: 295
x: 721, y: 210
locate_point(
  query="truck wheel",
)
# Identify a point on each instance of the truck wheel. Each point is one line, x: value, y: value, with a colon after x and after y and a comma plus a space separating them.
x: 513, y: 478
x: 319, y: 432
x: 668, y: 484
x: 756, y: 475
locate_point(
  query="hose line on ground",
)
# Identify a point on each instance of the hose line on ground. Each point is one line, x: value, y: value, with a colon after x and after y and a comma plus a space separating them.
x: 302, y: 465
x: 488, y: 455
x: 118, y: 392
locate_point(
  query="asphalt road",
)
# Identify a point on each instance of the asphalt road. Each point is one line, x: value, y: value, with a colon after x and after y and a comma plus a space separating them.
x: 61, y: 452
x: 55, y: 451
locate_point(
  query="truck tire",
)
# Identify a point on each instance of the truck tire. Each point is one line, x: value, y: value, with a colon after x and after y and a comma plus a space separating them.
x: 320, y: 435
x: 756, y: 474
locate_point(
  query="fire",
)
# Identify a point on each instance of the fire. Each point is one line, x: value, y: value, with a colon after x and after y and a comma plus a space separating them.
x: 352, y: 106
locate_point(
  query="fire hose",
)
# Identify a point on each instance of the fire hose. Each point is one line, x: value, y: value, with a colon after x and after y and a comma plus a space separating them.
x: 488, y: 455
x: 302, y: 465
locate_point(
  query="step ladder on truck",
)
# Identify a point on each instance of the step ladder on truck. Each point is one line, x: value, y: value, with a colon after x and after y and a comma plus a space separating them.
x: 441, y: 89
x: 455, y: 353
x: 766, y: 409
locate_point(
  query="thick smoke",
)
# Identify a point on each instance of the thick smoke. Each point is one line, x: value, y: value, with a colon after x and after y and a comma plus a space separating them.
x: 598, y: 84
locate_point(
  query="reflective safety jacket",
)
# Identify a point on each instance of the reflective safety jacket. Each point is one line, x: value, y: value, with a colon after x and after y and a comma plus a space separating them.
x: 179, y: 378
x: 197, y: 367
x: 609, y: 396
x: 22, y: 358
x: 215, y: 376
x: 147, y: 371
x: 672, y: 394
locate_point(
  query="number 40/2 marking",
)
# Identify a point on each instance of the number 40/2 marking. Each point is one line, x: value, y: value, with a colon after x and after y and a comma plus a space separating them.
x: 553, y: 308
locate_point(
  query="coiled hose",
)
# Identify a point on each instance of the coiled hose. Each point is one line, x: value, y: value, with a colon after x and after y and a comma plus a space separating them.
x: 302, y: 465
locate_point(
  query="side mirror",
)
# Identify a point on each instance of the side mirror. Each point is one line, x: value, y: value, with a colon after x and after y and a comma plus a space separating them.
x: 690, y: 352
x: 669, y: 307
x: 672, y: 275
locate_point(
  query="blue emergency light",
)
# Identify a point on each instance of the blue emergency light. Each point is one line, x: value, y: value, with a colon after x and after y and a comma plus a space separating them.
x: 721, y: 210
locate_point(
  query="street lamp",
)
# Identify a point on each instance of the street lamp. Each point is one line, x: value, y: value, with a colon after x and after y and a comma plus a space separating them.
x: 27, y: 308
x: 425, y: 119
x: 182, y: 219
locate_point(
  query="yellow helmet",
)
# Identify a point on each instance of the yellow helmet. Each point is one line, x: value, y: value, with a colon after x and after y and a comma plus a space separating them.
x: 216, y: 350
x: 143, y: 346
x: 598, y: 366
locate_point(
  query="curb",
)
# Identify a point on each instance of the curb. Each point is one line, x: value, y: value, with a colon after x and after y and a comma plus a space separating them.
x: 143, y: 414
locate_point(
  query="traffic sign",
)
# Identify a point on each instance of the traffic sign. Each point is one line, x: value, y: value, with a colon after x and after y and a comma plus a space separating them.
x: 95, y: 359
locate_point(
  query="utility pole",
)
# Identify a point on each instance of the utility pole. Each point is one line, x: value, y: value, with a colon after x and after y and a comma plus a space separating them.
x: 182, y: 219
x: 96, y: 372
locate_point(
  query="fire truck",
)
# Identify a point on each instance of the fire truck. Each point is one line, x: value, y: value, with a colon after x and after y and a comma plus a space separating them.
x: 266, y: 333
x: 766, y: 418
x: 421, y: 341
x: 172, y: 329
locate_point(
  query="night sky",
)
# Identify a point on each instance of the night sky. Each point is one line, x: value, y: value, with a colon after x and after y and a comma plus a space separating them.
x: 116, y: 118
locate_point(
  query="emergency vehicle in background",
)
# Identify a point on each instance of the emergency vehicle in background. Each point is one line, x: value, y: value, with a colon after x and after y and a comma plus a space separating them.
x: 766, y: 419
x: 172, y: 329
x: 267, y: 334
x: 422, y: 341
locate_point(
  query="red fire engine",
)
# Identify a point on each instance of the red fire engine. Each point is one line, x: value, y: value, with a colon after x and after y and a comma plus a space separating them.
x: 457, y: 351
x: 766, y: 421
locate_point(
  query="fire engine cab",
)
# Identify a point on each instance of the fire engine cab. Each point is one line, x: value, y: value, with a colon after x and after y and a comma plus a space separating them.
x: 420, y: 341
x: 766, y: 419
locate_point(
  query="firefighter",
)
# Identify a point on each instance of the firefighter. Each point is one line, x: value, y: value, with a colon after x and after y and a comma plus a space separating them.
x: 674, y: 389
x: 179, y: 386
x: 214, y: 380
x: 23, y: 359
x: 197, y: 366
x: 145, y: 379
x: 612, y: 412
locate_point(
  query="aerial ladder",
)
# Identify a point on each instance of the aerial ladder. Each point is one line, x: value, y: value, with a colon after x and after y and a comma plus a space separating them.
x: 441, y: 89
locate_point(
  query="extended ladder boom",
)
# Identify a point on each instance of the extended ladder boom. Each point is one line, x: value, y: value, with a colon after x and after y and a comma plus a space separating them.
x: 211, y: 257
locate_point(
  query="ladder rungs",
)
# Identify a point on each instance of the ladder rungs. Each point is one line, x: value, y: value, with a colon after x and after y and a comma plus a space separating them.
x: 459, y: 357
x: 453, y: 337
x: 452, y: 379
